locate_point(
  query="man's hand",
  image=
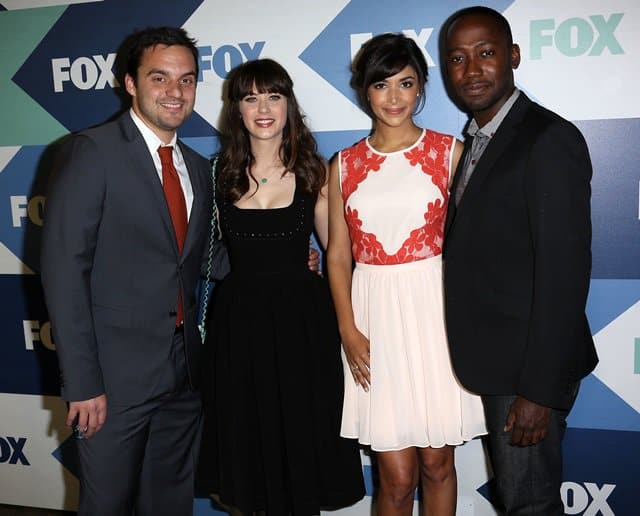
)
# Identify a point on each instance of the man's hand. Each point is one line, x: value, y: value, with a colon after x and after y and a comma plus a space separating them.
x: 314, y: 259
x: 91, y: 415
x: 527, y: 421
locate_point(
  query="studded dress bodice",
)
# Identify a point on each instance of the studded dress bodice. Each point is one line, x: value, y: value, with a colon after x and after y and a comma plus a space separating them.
x: 269, y: 240
x: 270, y: 419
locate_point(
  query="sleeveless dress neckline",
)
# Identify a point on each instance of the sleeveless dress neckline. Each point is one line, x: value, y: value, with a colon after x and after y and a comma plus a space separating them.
x: 288, y: 206
x: 406, y: 149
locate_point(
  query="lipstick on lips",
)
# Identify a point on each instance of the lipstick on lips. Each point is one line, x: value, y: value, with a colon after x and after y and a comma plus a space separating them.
x: 394, y: 111
x: 264, y: 122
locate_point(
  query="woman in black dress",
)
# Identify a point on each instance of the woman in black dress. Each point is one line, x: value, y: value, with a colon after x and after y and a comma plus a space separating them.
x: 273, y: 407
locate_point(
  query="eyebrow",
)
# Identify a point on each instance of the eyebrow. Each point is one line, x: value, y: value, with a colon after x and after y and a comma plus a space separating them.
x: 400, y: 79
x: 474, y: 45
x: 164, y: 72
x: 256, y: 93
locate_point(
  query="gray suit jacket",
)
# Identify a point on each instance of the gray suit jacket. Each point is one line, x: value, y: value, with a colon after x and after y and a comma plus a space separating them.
x: 110, y: 264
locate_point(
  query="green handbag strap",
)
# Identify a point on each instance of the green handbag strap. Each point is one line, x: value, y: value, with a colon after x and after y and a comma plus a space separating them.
x: 206, y: 294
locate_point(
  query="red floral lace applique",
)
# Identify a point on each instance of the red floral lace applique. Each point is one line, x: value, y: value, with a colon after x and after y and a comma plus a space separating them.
x: 364, y: 246
x: 435, y: 161
x: 423, y: 242
x: 356, y: 163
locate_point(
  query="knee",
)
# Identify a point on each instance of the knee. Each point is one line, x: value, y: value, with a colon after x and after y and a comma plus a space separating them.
x: 438, y: 466
x: 399, y: 487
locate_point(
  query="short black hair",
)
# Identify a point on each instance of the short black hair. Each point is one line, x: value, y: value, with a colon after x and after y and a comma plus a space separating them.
x: 383, y: 56
x: 480, y: 10
x: 138, y: 42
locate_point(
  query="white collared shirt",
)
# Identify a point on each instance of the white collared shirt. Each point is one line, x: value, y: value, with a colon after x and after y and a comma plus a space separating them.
x: 153, y: 142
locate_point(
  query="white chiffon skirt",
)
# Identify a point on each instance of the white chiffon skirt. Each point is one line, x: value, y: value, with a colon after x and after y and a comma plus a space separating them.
x: 414, y: 398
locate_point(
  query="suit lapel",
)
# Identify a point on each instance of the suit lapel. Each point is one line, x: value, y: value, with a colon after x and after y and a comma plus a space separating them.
x: 199, y: 197
x: 142, y: 161
x: 451, y: 209
x: 503, y: 137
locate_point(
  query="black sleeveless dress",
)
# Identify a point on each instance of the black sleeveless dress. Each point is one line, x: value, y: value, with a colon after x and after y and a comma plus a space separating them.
x: 274, y: 373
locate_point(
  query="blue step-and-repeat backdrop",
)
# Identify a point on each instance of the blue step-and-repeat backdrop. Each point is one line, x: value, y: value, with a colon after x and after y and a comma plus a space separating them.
x: 579, y: 57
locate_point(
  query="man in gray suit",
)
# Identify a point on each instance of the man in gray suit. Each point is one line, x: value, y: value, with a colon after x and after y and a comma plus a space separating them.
x: 121, y: 257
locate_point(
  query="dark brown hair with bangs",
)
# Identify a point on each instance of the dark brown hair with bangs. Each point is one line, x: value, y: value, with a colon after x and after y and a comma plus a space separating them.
x: 298, y: 151
x: 383, y: 56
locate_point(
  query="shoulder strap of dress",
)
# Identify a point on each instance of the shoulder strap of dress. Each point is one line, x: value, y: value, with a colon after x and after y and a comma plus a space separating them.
x: 213, y: 236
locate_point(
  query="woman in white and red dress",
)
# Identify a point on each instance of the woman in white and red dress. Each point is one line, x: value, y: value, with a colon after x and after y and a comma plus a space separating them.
x: 388, y: 196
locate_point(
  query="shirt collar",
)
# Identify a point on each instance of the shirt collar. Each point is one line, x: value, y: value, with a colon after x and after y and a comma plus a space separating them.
x: 491, y: 127
x: 150, y: 138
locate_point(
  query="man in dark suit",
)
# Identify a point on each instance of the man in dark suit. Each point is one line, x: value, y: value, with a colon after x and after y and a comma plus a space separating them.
x: 517, y: 262
x: 122, y: 248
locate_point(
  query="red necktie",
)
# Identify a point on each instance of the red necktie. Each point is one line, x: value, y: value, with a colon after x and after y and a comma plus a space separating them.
x: 176, y: 203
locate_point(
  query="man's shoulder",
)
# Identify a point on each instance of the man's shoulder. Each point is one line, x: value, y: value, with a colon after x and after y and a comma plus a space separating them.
x: 540, y: 117
x: 545, y: 128
x: 194, y: 156
x: 103, y: 132
x: 101, y: 143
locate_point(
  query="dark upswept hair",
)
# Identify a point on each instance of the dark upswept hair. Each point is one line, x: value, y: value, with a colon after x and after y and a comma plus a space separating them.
x: 383, y: 56
x: 138, y: 42
x: 481, y: 10
x: 298, y: 150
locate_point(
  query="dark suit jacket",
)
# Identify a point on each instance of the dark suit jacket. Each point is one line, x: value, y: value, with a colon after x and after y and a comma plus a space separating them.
x: 110, y: 264
x: 518, y: 259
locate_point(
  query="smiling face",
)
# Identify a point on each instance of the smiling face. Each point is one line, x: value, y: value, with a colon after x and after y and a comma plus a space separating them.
x: 264, y: 115
x: 480, y: 64
x: 393, y: 100
x: 164, y: 90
